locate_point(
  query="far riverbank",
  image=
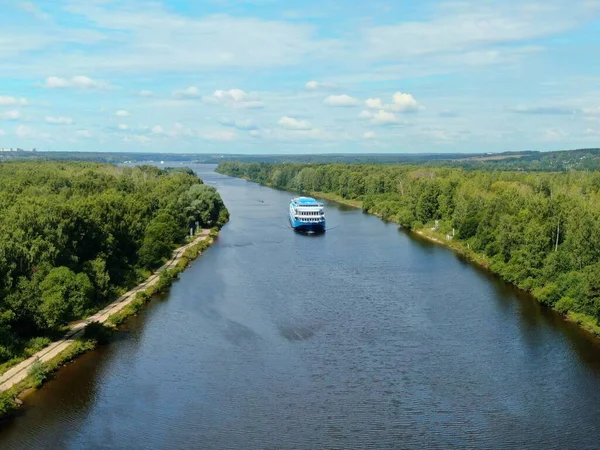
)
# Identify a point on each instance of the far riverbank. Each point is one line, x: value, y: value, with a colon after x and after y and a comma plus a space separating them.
x: 585, y: 322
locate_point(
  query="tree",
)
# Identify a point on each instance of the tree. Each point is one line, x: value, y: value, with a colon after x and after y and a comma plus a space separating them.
x: 65, y: 295
x: 162, y: 232
x: 427, y: 205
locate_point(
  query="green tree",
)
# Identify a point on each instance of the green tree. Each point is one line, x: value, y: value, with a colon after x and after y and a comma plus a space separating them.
x: 65, y: 296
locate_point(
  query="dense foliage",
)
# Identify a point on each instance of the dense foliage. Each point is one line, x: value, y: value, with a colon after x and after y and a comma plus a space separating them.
x: 540, y: 231
x: 73, y: 235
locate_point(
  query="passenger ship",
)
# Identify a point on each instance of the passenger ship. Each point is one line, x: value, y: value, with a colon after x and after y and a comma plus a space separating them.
x: 306, y: 215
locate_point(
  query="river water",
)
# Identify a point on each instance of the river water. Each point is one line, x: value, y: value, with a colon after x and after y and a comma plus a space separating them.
x: 364, y: 337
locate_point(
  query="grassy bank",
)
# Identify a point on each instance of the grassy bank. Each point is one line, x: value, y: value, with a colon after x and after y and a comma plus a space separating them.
x: 41, y: 372
x: 165, y: 280
x: 96, y: 333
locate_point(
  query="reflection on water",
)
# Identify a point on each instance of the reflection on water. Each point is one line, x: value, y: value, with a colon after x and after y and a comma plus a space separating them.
x: 364, y: 337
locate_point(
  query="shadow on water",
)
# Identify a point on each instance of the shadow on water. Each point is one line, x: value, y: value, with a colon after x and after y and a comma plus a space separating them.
x: 310, y: 234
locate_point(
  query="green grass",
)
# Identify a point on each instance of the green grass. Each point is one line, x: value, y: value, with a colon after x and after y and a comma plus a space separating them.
x: 38, y: 373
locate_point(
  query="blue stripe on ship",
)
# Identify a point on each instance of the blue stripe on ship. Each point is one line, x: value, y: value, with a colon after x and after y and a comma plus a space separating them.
x: 306, y: 226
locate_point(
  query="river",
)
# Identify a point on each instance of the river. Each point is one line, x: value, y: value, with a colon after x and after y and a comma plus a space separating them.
x: 364, y: 337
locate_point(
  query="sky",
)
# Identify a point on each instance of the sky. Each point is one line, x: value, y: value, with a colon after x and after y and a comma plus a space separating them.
x: 269, y: 76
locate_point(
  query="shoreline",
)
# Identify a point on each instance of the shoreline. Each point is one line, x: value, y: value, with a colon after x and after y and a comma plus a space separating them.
x: 586, y: 323
x: 85, y: 334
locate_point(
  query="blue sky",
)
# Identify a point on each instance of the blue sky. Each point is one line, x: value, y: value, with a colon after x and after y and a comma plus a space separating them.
x: 267, y: 76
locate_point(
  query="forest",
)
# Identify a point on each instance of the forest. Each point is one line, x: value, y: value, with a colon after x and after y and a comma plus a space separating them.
x: 74, y: 236
x: 556, y: 161
x: 539, y: 231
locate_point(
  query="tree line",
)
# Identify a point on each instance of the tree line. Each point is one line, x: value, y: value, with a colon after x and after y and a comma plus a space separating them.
x: 73, y: 236
x: 540, y: 231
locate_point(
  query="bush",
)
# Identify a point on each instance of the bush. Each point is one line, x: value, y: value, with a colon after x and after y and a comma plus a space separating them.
x: 36, y: 344
x: 564, y: 305
x: 38, y: 373
x: 548, y: 294
x: 7, y: 404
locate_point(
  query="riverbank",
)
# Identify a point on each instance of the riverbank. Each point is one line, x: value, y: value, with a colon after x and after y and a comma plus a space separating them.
x: 586, y: 322
x: 84, y: 335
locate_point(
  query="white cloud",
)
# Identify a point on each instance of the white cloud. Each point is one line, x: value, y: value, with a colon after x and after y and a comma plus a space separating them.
x: 401, y: 102
x: 383, y: 117
x: 191, y: 93
x: 157, y: 129
x: 150, y: 36
x: 219, y: 136
x: 595, y: 111
x: 369, y: 135
x: 10, y: 115
x: 83, y: 133
x: 374, y: 103
x: 80, y: 82
x: 10, y: 101
x: 459, y: 27
x: 235, y: 98
x: 404, y: 102
x: 145, y: 93
x: 318, y: 86
x: 553, y: 135
x: 23, y: 131
x: 122, y: 113
x: 181, y: 130
x: 341, y: 100
x: 592, y: 132
x: 293, y: 124
x: 123, y: 126
x: 59, y: 120
x: 2, y: 132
